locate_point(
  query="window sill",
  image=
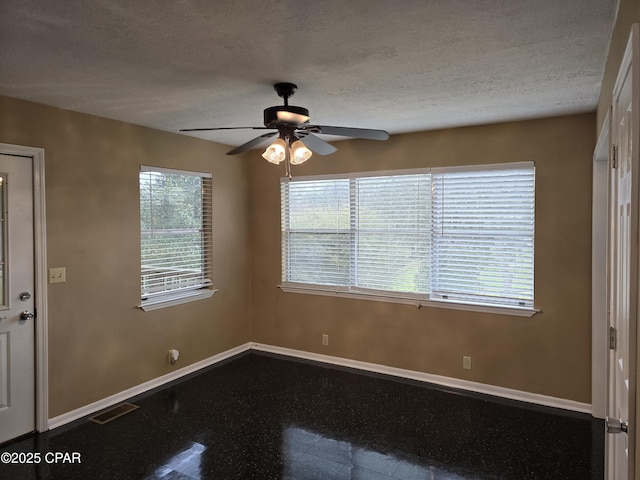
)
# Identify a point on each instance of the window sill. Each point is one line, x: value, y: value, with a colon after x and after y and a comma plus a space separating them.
x: 416, y: 302
x: 170, y: 301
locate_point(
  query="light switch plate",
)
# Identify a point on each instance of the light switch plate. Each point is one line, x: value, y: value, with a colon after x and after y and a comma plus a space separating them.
x: 57, y: 275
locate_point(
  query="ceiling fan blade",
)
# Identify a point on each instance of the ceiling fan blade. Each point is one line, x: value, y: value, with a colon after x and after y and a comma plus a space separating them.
x: 367, y: 133
x: 252, y: 143
x: 316, y: 144
x: 222, y: 128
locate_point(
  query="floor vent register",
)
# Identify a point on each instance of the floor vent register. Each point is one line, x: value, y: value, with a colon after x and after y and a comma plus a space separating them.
x: 113, y: 413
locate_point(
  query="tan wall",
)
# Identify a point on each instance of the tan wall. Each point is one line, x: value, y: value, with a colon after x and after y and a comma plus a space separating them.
x: 99, y: 342
x: 628, y: 14
x: 548, y: 354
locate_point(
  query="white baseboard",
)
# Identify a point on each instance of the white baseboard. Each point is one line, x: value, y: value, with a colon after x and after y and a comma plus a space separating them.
x: 533, y: 398
x: 528, y: 397
x: 143, y: 387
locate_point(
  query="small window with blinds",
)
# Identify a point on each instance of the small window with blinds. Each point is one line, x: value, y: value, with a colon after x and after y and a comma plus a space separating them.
x: 175, y: 236
x: 458, y: 235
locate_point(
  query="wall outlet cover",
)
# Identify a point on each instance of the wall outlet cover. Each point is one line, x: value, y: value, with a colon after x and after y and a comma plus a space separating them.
x: 466, y: 363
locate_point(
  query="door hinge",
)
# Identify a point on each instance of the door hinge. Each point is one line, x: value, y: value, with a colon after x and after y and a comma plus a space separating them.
x: 614, y: 156
x: 613, y: 341
x: 615, y: 425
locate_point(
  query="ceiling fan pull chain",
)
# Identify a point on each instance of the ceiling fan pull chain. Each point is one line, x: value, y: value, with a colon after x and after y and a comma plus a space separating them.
x: 287, y: 163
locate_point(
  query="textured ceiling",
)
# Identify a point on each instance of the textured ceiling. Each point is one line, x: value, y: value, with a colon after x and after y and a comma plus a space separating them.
x: 405, y: 65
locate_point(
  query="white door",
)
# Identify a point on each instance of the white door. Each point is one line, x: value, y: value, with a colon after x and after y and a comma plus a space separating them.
x: 17, y: 330
x: 624, y: 279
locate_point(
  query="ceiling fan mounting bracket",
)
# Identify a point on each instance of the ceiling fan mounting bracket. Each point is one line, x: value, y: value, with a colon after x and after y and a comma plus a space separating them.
x: 285, y: 90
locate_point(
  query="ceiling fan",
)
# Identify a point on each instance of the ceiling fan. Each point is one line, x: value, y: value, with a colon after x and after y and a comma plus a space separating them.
x: 291, y: 125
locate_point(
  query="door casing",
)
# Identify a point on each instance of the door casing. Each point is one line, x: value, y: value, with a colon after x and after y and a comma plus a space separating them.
x: 600, y: 264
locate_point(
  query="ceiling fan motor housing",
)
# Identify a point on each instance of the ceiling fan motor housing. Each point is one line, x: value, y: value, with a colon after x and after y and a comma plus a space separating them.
x: 288, y: 114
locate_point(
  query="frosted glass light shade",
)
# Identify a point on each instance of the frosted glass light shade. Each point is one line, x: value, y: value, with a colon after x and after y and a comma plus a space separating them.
x: 276, y: 152
x: 299, y: 153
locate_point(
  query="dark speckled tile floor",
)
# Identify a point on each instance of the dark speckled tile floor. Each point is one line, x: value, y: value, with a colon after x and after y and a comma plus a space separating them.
x: 264, y: 417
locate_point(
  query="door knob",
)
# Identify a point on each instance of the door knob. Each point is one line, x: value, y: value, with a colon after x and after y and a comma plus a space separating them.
x: 26, y: 315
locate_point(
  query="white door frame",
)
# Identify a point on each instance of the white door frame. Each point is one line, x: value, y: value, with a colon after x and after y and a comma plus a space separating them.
x: 36, y: 156
x: 600, y: 271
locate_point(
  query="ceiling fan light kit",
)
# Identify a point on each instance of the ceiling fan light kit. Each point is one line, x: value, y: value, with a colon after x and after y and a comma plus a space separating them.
x: 291, y: 124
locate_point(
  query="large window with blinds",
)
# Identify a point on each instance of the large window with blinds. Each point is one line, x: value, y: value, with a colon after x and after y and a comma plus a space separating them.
x: 175, y: 236
x: 461, y: 235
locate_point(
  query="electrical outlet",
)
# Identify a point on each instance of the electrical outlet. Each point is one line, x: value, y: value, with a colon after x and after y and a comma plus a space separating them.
x: 57, y: 275
x: 325, y: 340
x: 466, y: 363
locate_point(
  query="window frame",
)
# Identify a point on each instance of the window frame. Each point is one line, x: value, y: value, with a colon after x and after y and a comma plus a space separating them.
x: 419, y: 300
x: 168, y: 298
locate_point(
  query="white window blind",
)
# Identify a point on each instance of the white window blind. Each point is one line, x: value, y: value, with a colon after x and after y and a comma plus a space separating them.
x: 316, y: 231
x: 392, y: 223
x: 483, y: 235
x: 175, y: 233
x: 457, y: 234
